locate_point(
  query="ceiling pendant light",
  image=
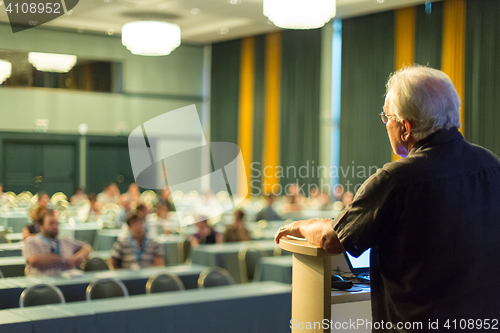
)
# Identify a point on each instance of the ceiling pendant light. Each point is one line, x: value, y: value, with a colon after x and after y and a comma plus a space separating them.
x: 51, y: 62
x: 5, y: 70
x: 300, y: 14
x: 151, y: 38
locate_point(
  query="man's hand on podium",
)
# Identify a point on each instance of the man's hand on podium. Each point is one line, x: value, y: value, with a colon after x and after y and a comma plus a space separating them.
x: 318, y: 232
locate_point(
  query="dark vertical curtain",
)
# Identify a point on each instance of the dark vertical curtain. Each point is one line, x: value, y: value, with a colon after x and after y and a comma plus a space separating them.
x: 259, y: 107
x: 482, y: 74
x: 428, y: 34
x: 224, y: 96
x: 300, y: 89
x: 367, y: 61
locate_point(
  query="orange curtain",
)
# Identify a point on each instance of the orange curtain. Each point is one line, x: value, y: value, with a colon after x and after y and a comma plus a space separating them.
x: 271, y: 158
x: 245, y: 119
x: 453, y: 56
x: 404, y: 40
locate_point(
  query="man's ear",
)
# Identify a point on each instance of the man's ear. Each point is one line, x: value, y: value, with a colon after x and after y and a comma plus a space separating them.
x: 406, y: 130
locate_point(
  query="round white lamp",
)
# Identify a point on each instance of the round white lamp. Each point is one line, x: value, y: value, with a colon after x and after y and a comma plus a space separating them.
x: 300, y: 14
x: 151, y: 38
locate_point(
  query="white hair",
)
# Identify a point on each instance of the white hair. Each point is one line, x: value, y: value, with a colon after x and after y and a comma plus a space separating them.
x: 426, y: 98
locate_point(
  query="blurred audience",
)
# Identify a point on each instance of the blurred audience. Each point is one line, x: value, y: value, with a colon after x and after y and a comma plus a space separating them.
x: 2, y: 197
x: 142, y: 212
x: 268, y: 213
x: 110, y: 194
x: 137, y: 250
x: 94, y: 208
x: 125, y: 210
x: 133, y: 194
x: 43, y: 199
x: 79, y: 197
x: 338, y: 192
x: 40, y: 208
x: 47, y: 254
x: 293, y: 199
x: 161, y: 224
x: 36, y: 215
x: 318, y: 199
x: 237, y: 232
x: 347, y: 198
x: 165, y: 199
x: 205, y: 234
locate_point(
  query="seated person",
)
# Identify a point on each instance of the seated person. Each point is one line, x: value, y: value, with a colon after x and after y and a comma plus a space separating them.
x: 142, y: 212
x: 347, y: 198
x: 110, y: 194
x: 94, y: 208
x: 293, y: 199
x: 137, y: 250
x: 292, y: 204
x: 205, y: 234
x: 318, y: 199
x: 268, y: 213
x: 3, y: 198
x: 133, y: 194
x: 237, y: 232
x: 79, y: 197
x: 165, y: 198
x: 47, y: 254
x: 161, y: 224
x: 43, y: 200
x: 125, y: 210
x: 35, y: 215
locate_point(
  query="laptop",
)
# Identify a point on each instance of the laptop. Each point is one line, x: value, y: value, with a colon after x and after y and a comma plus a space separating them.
x: 359, y: 266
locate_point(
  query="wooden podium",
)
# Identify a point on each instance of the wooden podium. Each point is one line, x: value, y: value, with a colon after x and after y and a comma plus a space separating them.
x: 311, y: 284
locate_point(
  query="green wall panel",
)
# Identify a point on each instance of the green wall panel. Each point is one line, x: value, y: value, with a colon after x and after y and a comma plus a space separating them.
x: 300, y: 99
x: 367, y: 61
x: 482, y: 74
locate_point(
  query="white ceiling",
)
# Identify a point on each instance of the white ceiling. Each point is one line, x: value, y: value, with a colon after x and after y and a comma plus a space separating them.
x: 217, y: 20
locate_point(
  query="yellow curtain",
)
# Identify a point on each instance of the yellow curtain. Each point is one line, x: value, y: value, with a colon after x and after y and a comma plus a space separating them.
x: 271, y: 158
x: 453, y: 56
x: 404, y: 39
x: 245, y: 119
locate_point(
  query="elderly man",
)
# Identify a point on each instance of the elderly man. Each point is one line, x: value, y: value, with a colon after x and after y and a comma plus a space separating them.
x: 47, y: 254
x: 432, y: 219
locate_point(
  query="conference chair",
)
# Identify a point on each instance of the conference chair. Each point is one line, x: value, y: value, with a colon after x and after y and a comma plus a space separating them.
x: 214, y: 277
x: 110, y: 213
x: 4, y: 240
x: 148, y: 197
x: 185, y: 250
x: 58, y: 196
x: 95, y: 264
x: 41, y: 294
x: 164, y: 282
x: 1, y: 275
x: 248, y: 258
x: 105, y: 288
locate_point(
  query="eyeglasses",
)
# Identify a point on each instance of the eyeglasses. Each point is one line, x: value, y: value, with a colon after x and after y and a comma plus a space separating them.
x: 385, y: 117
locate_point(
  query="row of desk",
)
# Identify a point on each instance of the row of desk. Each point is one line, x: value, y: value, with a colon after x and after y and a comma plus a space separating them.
x: 226, y: 255
x: 73, y: 288
x: 14, y: 221
x: 221, y: 255
x: 278, y: 269
x: 248, y: 308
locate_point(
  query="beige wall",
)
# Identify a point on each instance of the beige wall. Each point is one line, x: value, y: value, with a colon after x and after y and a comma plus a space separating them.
x: 177, y: 76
